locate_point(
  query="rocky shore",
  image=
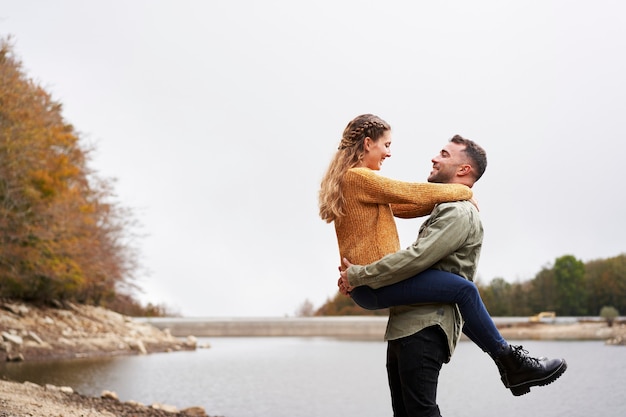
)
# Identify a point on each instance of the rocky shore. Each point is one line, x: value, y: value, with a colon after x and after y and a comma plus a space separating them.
x: 30, y: 333
x: 78, y: 331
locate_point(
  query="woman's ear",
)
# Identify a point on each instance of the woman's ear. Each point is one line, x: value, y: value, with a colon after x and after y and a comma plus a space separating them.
x: 367, y: 143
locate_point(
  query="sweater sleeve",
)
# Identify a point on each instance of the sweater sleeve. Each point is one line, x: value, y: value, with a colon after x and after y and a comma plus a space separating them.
x: 409, y: 211
x: 407, y: 199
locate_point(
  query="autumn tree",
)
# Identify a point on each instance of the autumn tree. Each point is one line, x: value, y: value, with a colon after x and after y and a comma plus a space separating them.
x: 61, y: 235
x: 341, y: 305
x: 606, y: 283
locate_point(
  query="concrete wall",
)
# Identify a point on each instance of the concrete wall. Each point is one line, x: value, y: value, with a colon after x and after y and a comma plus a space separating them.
x: 346, y: 326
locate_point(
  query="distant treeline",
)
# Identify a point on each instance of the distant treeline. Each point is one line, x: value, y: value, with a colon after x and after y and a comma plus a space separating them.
x: 62, y: 235
x: 570, y: 287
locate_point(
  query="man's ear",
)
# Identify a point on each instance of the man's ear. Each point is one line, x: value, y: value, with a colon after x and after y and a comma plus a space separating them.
x: 465, y: 169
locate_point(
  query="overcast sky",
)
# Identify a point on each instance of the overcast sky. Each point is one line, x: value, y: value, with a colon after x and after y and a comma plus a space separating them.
x: 218, y: 119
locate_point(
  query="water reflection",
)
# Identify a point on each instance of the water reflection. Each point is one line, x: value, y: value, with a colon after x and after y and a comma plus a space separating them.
x: 85, y: 373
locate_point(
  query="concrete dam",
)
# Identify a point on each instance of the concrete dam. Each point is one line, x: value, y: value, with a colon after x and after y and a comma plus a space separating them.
x: 344, y: 326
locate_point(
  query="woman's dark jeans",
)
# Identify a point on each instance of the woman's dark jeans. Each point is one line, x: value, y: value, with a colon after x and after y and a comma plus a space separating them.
x: 434, y: 286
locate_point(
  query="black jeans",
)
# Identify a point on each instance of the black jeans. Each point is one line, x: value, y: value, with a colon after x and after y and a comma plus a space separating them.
x: 413, y: 365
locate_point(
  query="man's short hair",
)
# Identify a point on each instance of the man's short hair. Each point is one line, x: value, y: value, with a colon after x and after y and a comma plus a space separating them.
x: 476, y: 154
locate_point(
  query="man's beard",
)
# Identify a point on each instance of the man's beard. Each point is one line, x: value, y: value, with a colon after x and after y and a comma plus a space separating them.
x: 439, y: 177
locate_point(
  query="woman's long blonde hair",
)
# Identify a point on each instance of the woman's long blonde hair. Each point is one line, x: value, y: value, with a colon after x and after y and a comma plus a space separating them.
x: 349, y: 154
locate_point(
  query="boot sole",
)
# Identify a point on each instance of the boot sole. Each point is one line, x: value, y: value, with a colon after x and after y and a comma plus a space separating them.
x: 524, y: 388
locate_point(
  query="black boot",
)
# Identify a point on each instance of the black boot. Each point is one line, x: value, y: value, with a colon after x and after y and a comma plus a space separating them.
x: 519, y: 371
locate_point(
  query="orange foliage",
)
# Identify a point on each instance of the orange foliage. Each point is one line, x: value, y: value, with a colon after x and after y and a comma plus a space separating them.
x: 340, y: 305
x: 60, y: 235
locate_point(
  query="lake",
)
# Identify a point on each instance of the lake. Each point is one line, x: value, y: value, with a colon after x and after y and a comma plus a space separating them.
x: 323, y: 377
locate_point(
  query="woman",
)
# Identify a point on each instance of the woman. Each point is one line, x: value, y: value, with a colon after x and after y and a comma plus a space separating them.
x: 362, y: 206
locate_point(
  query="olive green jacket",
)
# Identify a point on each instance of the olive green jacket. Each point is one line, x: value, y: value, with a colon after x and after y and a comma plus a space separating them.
x: 450, y: 240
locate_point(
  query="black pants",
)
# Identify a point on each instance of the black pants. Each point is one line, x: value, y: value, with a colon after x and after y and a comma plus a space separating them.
x: 413, y: 365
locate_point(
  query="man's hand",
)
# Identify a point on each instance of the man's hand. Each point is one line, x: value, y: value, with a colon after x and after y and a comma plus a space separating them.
x: 343, y: 283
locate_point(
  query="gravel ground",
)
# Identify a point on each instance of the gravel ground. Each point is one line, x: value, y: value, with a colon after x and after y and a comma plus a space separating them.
x: 31, y: 400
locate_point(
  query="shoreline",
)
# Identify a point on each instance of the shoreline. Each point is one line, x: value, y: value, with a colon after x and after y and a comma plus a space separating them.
x: 373, y: 327
x: 31, y: 333
x: 29, y: 399
x: 579, y: 331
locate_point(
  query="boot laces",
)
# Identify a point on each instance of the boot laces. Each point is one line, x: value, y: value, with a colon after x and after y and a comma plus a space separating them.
x: 522, y: 354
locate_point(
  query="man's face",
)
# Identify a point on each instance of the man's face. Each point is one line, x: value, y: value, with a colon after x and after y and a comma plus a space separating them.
x: 447, y: 163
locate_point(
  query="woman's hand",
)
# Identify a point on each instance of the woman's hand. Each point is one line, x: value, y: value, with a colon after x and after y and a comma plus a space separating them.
x: 475, y: 203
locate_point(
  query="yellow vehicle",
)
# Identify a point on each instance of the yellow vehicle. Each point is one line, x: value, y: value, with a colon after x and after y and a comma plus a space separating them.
x: 544, y: 316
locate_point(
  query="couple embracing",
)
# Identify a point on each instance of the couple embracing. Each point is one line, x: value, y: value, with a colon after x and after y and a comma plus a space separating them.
x: 428, y: 286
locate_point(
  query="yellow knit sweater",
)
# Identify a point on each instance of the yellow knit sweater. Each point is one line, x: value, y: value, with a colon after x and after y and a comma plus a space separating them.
x: 368, y: 230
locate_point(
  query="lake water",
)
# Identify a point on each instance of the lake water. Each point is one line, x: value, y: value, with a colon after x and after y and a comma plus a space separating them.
x: 320, y: 377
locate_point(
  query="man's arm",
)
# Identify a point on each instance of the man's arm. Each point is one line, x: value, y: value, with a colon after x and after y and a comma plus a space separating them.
x: 441, y: 235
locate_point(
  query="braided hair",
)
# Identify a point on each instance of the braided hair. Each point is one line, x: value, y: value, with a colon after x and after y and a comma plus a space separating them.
x: 349, y: 154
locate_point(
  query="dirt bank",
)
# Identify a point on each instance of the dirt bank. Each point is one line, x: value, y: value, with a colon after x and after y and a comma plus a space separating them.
x: 32, y: 333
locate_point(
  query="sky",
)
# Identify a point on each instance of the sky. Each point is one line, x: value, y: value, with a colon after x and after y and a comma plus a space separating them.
x: 217, y: 119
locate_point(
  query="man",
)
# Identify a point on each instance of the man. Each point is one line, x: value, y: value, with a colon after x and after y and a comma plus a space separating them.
x: 422, y: 337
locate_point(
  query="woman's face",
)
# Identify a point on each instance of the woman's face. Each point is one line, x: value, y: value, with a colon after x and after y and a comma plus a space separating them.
x: 376, y: 152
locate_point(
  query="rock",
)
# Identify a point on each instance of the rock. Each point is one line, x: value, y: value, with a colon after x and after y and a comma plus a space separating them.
x: 205, y: 345
x: 618, y: 340
x: 191, y: 341
x: 14, y: 357
x: 165, y: 407
x: 18, y: 309
x: 194, y: 412
x: 13, y: 338
x: 137, y: 345
x: 32, y: 385
x: 109, y: 395
x: 33, y: 336
x: 65, y: 341
x: 72, y: 306
x: 66, y: 390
